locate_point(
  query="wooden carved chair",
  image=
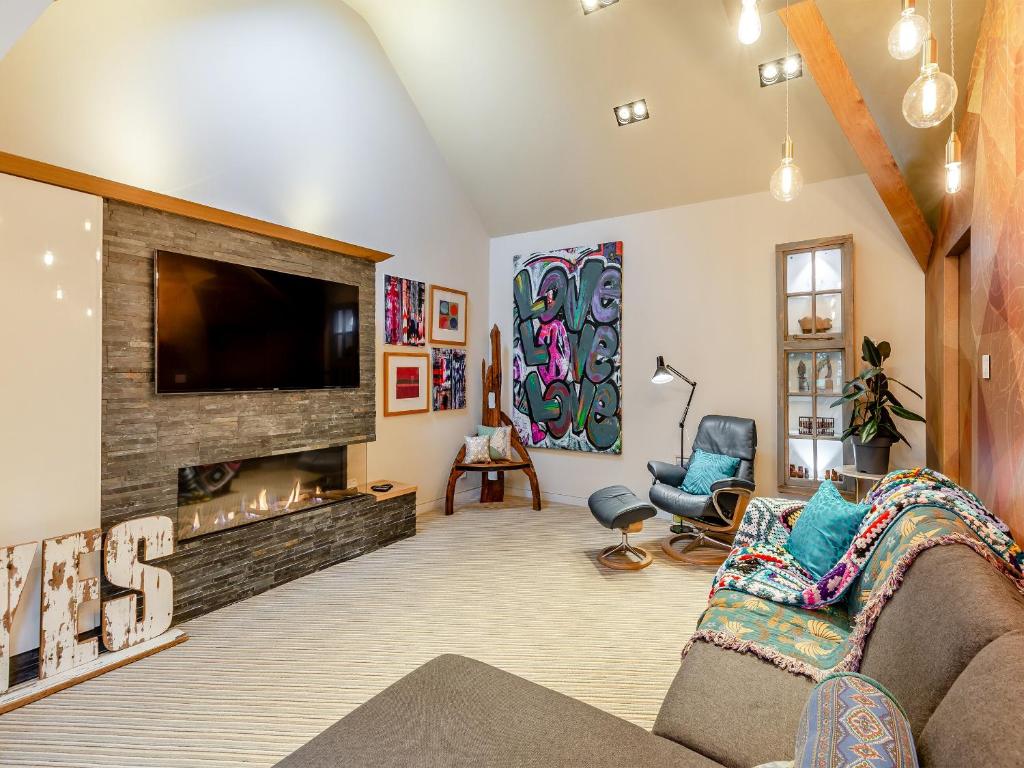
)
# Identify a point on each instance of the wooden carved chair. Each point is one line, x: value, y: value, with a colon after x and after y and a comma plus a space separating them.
x: 492, y: 490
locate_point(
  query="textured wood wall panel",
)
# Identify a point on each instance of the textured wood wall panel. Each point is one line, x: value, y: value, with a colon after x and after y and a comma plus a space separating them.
x: 997, y: 269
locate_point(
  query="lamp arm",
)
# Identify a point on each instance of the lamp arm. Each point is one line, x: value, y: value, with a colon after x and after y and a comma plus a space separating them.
x: 682, y: 421
x: 682, y: 376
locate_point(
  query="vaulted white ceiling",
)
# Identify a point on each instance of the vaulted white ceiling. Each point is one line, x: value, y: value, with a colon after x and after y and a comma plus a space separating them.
x: 268, y: 107
x: 519, y: 94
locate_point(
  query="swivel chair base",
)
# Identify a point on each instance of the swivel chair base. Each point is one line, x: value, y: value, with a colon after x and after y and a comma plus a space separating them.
x: 699, y: 547
x: 624, y: 556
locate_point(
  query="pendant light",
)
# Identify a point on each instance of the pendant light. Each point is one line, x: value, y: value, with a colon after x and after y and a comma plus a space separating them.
x: 930, y: 99
x: 750, y: 22
x: 909, y: 32
x: 954, y: 162
x: 787, y: 181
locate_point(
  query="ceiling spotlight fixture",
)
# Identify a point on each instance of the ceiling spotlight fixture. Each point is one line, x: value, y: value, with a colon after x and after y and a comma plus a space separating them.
x: 589, y: 6
x: 909, y: 33
x: 749, y: 29
x: 930, y: 99
x: 780, y: 70
x: 60, y: 293
x: 633, y: 112
x: 48, y: 258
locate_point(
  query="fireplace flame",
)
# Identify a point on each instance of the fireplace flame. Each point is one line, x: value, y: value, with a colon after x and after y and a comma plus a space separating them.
x: 262, y: 504
x: 294, y: 496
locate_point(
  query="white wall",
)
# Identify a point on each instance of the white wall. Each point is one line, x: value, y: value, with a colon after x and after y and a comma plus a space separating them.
x: 288, y: 112
x: 50, y: 380
x: 699, y: 288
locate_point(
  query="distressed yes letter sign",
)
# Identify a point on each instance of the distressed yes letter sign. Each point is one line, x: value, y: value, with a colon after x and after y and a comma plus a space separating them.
x: 14, y: 565
x: 64, y: 591
x: 121, y: 626
x: 64, y: 658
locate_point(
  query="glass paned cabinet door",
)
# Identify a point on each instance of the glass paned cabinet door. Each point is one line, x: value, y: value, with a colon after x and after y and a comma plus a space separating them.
x: 816, y: 353
x: 814, y: 286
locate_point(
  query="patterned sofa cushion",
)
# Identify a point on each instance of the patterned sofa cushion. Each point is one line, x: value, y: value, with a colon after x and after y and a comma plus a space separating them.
x: 851, y: 721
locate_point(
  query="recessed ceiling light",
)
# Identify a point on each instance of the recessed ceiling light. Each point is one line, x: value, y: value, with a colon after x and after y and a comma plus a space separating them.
x: 633, y: 112
x: 48, y: 258
x: 781, y: 70
x: 589, y: 6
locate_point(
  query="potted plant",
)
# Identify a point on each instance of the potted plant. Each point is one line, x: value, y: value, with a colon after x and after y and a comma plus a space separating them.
x: 872, y: 424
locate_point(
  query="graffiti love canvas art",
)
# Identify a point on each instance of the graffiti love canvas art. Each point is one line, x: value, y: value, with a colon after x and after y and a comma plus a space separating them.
x: 567, y: 349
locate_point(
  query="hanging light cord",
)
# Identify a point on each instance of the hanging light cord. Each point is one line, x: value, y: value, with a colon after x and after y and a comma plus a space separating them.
x: 952, y: 63
x: 788, y: 78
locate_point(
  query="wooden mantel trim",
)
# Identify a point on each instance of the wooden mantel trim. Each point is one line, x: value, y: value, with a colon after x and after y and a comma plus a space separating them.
x: 822, y: 57
x: 35, y: 170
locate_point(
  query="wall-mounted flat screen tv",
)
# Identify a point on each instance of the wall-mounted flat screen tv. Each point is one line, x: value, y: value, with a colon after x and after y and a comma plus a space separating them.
x: 224, y: 327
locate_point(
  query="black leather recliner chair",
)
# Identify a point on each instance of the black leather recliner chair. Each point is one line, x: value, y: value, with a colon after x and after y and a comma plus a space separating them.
x: 708, y: 520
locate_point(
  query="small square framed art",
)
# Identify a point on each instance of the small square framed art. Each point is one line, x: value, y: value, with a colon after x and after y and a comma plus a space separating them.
x: 449, y: 316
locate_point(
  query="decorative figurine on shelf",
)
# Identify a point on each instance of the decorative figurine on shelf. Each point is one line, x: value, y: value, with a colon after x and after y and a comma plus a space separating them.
x: 824, y: 372
x: 801, y: 373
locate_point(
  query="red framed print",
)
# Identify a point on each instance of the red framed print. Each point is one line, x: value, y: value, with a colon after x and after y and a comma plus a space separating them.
x: 406, y: 383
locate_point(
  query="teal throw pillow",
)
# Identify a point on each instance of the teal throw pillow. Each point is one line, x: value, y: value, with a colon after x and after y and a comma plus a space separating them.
x: 499, y: 441
x: 707, y: 468
x: 825, y: 529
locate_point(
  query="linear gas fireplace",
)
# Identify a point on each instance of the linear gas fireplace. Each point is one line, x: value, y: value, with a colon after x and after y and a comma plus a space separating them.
x: 218, y: 497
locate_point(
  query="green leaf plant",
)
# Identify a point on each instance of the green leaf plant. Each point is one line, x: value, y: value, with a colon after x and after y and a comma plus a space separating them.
x: 874, y: 404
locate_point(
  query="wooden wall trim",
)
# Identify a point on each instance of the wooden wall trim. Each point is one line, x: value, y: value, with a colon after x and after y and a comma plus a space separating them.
x: 35, y: 170
x: 826, y: 64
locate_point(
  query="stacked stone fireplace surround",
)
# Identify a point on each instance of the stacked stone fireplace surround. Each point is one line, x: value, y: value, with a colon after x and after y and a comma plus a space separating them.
x: 147, y: 437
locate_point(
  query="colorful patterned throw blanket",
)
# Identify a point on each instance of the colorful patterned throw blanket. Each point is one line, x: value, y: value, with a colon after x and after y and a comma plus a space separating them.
x: 765, y: 603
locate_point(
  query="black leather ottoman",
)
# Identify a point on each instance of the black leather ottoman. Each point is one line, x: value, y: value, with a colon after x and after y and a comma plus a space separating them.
x: 619, y: 508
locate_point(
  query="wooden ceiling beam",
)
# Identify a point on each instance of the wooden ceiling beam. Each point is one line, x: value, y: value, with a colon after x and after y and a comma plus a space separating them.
x: 822, y: 58
x: 15, y: 165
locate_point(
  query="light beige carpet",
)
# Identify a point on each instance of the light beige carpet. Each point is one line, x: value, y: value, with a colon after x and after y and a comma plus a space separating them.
x: 504, y: 584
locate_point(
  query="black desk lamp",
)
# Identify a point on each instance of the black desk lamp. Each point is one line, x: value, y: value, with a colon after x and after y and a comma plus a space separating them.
x: 663, y: 374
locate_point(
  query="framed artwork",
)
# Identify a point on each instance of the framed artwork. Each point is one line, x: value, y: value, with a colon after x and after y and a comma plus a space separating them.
x: 406, y: 383
x: 449, y: 379
x: 405, y: 311
x: 567, y: 349
x: 449, y: 316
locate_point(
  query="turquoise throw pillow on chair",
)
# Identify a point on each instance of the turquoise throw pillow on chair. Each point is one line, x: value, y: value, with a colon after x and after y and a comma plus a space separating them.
x: 825, y: 530
x: 707, y: 468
